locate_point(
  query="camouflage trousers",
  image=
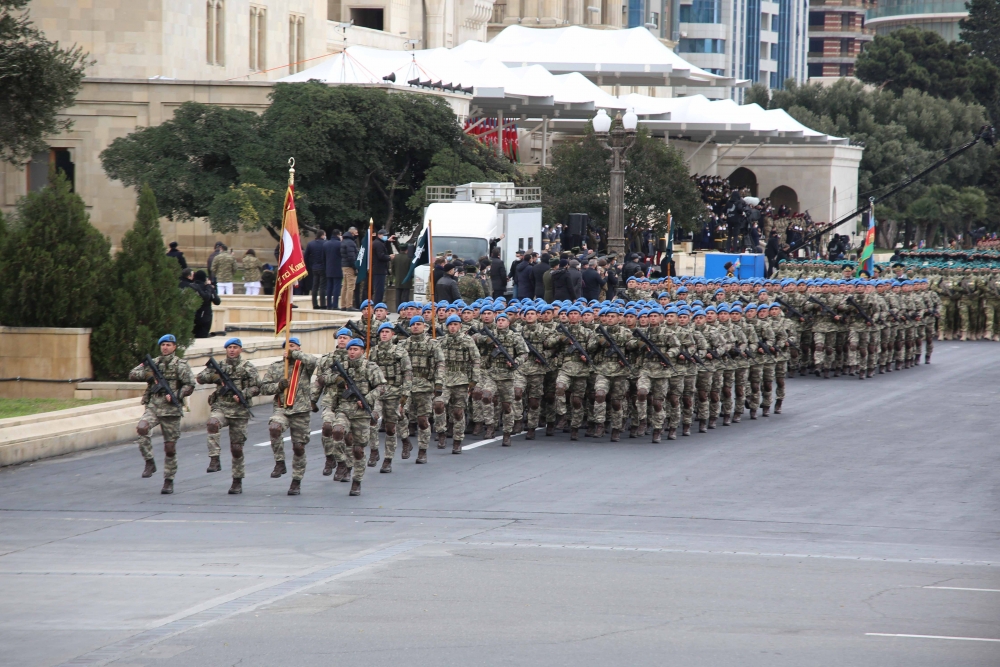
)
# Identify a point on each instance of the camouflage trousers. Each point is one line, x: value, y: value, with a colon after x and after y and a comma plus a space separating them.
x: 840, y: 349
x: 520, y: 383
x: 740, y: 389
x: 714, y: 394
x: 572, y: 389
x: 824, y: 349
x: 336, y: 449
x: 549, y: 413
x: 780, y: 373
x: 350, y: 437
x: 857, y: 347
x: 237, y: 437
x: 477, y: 411
x: 418, y: 408
x: 754, y: 375
x: 498, y: 395
x: 967, y: 313
x: 610, y: 390
x: 534, y: 392
x: 298, y: 424
x: 991, y: 316
x: 887, y: 349
x: 170, y: 427
x: 651, y: 399
x: 453, y: 397
x: 386, y: 407
x: 687, y: 398
x: 708, y: 387
x: 726, y: 403
x: 874, y: 347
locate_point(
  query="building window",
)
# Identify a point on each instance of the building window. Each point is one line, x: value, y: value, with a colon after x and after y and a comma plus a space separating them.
x: 371, y: 18
x: 846, y: 70
x: 765, y: 21
x: 702, y: 11
x: 816, y: 46
x: 296, y: 42
x: 817, y: 19
x: 701, y: 45
x: 215, y: 32
x: 258, y: 32
x: 41, y: 163
x: 845, y: 47
x: 774, y: 80
x: 764, y: 53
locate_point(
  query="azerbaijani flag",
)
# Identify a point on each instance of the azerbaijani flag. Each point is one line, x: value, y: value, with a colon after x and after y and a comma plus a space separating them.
x: 291, y: 266
x: 866, y: 260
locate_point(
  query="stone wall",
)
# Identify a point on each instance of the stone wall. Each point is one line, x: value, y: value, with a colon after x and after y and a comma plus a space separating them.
x: 49, y: 360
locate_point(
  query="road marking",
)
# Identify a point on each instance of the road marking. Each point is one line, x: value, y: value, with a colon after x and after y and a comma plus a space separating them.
x: 964, y: 639
x: 243, y: 603
x: 287, y: 438
x: 464, y: 447
x: 956, y: 588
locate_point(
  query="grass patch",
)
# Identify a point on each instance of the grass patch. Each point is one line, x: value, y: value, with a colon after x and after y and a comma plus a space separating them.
x: 19, y: 407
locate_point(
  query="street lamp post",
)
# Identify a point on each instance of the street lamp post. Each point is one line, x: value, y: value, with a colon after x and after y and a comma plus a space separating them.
x: 622, y: 138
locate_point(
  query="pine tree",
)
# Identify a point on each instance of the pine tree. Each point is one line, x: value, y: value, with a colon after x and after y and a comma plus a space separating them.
x: 144, y: 301
x: 981, y: 30
x: 54, y: 265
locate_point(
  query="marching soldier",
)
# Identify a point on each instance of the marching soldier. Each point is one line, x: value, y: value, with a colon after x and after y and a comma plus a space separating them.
x: 161, y: 408
x: 571, y: 381
x: 291, y: 410
x: 462, y: 370
x: 394, y: 362
x: 498, y: 375
x: 428, y: 368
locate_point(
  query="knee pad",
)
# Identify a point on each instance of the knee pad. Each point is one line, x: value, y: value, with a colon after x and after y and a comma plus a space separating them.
x: 702, y: 395
x: 534, y: 403
x: 487, y: 397
x: 767, y: 385
x: 457, y: 413
x: 374, y: 419
x: 275, y: 429
x: 340, y: 433
x: 819, y: 347
x: 390, y: 428
x: 439, y: 407
x: 299, y: 450
x: 688, y: 402
x: 642, y: 394
x: 328, y: 430
x: 714, y: 396
x: 359, y: 453
x: 560, y: 390
x: 507, y: 408
x: 518, y: 393
x: 726, y: 393
x: 142, y: 428
x: 170, y: 448
x: 657, y: 404
x: 423, y: 423
x: 213, y: 425
x: 674, y: 400
x: 616, y: 404
x: 236, y: 449
x: 551, y: 398
x: 600, y: 397
x: 755, y: 387
x: 577, y: 402
x: 781, y: 383
x: 348, y: 438
x: 477, y: 394
x: 853, y: 347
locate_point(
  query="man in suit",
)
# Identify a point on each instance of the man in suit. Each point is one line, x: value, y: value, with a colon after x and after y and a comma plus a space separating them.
x: 315, y: 259
x: 334, y: 272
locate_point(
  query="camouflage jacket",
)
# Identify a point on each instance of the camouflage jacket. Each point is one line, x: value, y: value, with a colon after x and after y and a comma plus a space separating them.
x: 606, y: 361
x: 750, y: 333
x: 426, y: 362
x: 693, y: 342
x: 572, y: 364
x: 536, y: 334
x: 718, y: 342
x: 178, y: 375
x: 366, y: 375
x: 251, y: 269
x: 275, y: 373
x: 224, y: 267
x: 394, y: 362
x: 738, y: 336
x: 495, y: 363
x: 324, y: 367
x: 461, y: 359
x: 244, y: 375
x: 665, y: 340
x: 470, y: 289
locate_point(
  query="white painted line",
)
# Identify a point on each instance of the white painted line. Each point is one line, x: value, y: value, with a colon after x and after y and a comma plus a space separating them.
x: 956, y: 588
x: 287, y: 438
x: 464, y: 446
x: 964, y: 639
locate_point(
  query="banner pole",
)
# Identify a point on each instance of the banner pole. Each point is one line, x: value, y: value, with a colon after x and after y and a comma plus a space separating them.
x: 368, y: 341
x: 288, y: 307
x: 430, y: 278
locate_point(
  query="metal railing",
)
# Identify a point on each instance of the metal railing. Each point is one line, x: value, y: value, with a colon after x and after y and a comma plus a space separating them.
x: 502, y: 194
x: 901, y: 7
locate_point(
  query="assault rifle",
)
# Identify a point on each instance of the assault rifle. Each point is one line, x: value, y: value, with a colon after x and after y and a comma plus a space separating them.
x: 561, y: 328
x: 500, y: 349
x: 401, y: 331
x: 534, y: 351
x: 792, y: 310
x: 162, y: 386
x: 356, y: 329
x: 601, y: 329
x: 689, y: 357
x: 351, y: 388
x: 228, y: 386
x: 861, y: 312
x: 824, y: 307
x: 664, y: 359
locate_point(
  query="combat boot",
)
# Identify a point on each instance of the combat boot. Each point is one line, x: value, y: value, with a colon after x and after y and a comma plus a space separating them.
x: 927, y: 357
x: 563, y: 422
x: 491, y: 430
x: 591, y: 430
x: 477, y: 428
x: 407, y: 448
x: 214, y: 465
x: 518, y: 427
x: 826, y: 373
x: 599, y: 431
x: 672, y: 433
x: 642, y: 427
x: 881, y: 369
x: 711, y: 422
x: 702, y: 426
x: 819, y: 373
x: 899, y: 365
x: 861, y: 374
x: 328, y: 467
x: 633, y: 430
x: 150, y: 468
x: 656, y: 434
x: 851, y: 371
x: 765, y: 411
x: 574, y: 434
x: 529, y: 434
x: 506, y: 440
x: 726, y: 418
x: 441, y: 440
x: 737, y: 417
x: 550, y: 428
x: 355, y: 488
x: 686, y: 430
x: 279, y: 469
x: 295, y: 488
x: 777, y: 405
x: 342, y: 473
x: 456, y: 447
x: 753, y: 413
x: 836, y: 372
x: 168, y: 487
x: 965, y: 335
x: 616, y: 435
x: 386, y: 466
x: 871, y: 372
x: 237, y: 486
x: 421, y: 456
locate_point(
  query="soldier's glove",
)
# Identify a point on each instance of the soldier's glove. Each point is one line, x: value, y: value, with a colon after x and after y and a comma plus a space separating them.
x: 283, y: 384
x: 313, y: 406
x: 150, y: 376
x: 339, y: 382
x: 320, y: 382
x: 402, y: 401
x: 186, y: 391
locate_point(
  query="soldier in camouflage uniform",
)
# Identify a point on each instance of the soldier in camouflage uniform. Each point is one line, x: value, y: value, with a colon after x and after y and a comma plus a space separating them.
x: 462, y: 371
x: 720, y: 343
x: 772, y: 340
x: 294, y: 417
x: 695, y: 346
x: 737, y: 360
x: 228, y: 411
x: 469, y: 286
x: 481, y: 412
x: 968, y: 302
x: 335, y: 455
x: 394, y: 362
x: 574, y: 370
x: 428, y: 367
x: 612, y: 381
x: 161, y: 410
x: 655, y: 376
x: 533, y: 370
x: 498, y: 375
x: 345, y: 420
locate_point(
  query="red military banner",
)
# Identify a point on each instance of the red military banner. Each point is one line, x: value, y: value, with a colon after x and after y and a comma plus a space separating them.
x: 291, y: 265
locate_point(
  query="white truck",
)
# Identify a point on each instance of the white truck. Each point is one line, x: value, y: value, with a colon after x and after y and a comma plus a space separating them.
x: 465, y: 218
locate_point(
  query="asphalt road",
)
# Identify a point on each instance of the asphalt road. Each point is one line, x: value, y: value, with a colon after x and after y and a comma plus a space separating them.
x: 858, y: 528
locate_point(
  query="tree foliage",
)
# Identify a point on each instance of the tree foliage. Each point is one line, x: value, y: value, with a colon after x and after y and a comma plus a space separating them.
x: 359, y: 153
x: 38, y: 79
x: 656, y: 180
x: 981, y: 29
x: 54, y: 262
x: 942, y: 208
x: 923, y: 60
x: 142, y: 300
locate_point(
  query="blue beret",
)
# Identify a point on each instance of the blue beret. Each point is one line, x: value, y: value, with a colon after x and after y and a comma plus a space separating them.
x: 529, y: 309
x: 233, y: 341
x: 365, y: 303
x: 682, y: 290
x: 293, y: 339
x: 386, y: 325
x: 355, y: 342
x: 503, y: 315
x: 453, y: 318
x: 415, y: 319
x: 166, y: 338
x: 427, y: 306
x: 344, y: 331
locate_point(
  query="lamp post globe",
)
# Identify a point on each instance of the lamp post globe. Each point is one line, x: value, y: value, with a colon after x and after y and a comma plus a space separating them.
x: 630, y: 121
x: 602, y: 122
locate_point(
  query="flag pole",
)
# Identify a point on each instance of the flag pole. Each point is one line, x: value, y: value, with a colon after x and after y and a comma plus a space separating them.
x: 368, y: 341
x: 288, y: 317
x: 430, y: 278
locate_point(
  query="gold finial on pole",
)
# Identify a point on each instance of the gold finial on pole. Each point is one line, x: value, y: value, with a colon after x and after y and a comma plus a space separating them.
x: 291, y: 171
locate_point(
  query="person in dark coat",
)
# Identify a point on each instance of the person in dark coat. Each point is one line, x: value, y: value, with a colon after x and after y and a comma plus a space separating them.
x: 381, y: 256
x: 512, y: 272
x: 593, y: 281
x: 575, y: 278
x: 446, y: 288
x: 203, y: 316
x: 526, y: 277
x: 771, y: 251
x: 400, y: 269
x: 177, y: 254
x: 315, y: 258
x: 498, y: 274
x: 562, y: 286
x: 334, y: 271
x: 348, y: 255
x: 539, y: 269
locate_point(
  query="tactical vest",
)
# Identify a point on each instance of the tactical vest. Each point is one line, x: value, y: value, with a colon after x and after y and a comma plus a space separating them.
x: 421, y: 357
x: 388, y: 361
x: 457, y: 356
